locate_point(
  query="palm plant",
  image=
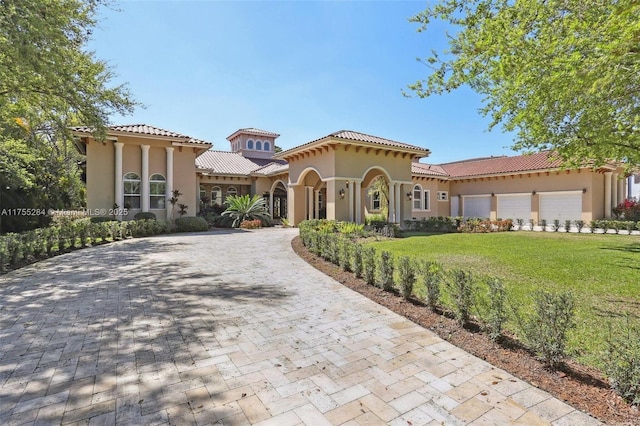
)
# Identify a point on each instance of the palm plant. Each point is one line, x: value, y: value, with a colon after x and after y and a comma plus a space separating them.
x: 243, y: 207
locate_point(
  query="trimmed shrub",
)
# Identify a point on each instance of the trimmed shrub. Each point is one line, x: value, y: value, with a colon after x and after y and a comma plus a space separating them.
x: 346, y: 250
x: 461, y: 289
x: 579, y: 224
x: 431, y: 274
x: 100, y: 219
x: 494, y: 304
x: 190, y: 224
x: 144, y: 216
x: 356, y: 260
x: 250, y: 224
x: 567, y: 225
x: 432, y: 224
x: 406, y: 276
x: 546, y: 329
x: 622, y: 362
x: 385, y: 271
x: 475, y: 226
x: 369, y: 265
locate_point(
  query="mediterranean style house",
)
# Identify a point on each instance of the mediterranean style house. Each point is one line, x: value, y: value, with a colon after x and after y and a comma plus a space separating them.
x: 139, y: 166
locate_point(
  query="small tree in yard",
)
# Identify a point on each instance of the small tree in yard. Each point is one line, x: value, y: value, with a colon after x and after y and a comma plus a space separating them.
x: 243, y: 207
x: 431, y: 274
x: 407, y: 276
x: 386, y: 271
x: 546, y: 330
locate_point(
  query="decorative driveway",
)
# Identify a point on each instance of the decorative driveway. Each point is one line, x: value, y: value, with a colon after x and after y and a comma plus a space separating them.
x: 231, y: 327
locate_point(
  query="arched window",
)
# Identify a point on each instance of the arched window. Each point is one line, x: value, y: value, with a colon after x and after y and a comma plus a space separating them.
x: 375, y: 201
x: 157, y: 191
x: 231, y: 191
x: 216, y: 196
x: 203, y: 195
x: 267, y: 147
x: 417, y: 197
x: 250, y: 144
x: 131, y: 182
x: 258, y: 145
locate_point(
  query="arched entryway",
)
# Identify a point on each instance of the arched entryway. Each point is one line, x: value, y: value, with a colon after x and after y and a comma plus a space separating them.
x: 307, y: 197
x: 380, y: 195
x: 278, y: 200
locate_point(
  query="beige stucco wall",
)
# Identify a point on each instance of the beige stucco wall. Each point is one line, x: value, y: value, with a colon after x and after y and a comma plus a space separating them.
x: 437, y: 208
x: 184, y: 178
x: 100, y: 175
x: 101, y: 171
x: 336, y: 165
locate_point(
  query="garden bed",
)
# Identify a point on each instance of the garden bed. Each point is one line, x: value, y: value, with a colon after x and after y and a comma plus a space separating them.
x: 580, y: 386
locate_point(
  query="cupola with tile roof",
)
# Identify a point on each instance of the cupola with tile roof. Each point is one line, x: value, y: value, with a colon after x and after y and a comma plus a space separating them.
x: 253, y: 143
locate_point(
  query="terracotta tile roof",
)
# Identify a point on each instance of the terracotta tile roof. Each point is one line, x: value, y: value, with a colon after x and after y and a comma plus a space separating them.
x: 350, y: 135
x: 143, y: 129
x: 423, y: 169
x: 362, y: 137
x: 253, y: 131
x: 272, y: 168
x: 501, y: 165
x: 232, y: 163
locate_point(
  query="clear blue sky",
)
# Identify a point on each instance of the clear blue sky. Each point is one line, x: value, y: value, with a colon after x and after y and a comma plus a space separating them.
x: 303, y: 69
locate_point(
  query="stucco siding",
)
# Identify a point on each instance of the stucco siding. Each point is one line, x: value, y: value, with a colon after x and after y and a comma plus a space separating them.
x: 100, y: 175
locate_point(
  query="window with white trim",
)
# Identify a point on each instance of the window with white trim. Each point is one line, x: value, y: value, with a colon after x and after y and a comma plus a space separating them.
x: 250, y: 144
x: 427, y: 200
x: 417, y: 197
x: 258, y: 145
x: 231, y: 191
x: 157, y: 191
x: 267, y: 146
x: 131, y: 183
x: 216, y: 196
x: 375, y: 201
x: 443, y: 196
x: 203, y: 195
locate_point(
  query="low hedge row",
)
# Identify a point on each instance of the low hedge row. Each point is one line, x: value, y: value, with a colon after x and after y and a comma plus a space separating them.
x: 67, y: 235
x: 484, y: 300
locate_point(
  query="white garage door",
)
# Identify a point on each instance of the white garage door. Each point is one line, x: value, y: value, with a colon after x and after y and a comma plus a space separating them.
x: 476, y: 206
x: 561, y: 206
x: 514, y: 207
x: 455, y: 212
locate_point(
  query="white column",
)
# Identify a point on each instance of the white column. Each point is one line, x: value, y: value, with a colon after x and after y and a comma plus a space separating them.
x: 614, y: 190
x: 398, y: 203
x: 350, y: 190
x: 621, y: 190
x: 119, y: 189
x: 392, y: 202
x: 607, y: 194
x: 271, y: 203
x: 316, y: 200
x: 358, y: 203
x: 169, y: 185
x: 309, y: 202
x: 144, y: 191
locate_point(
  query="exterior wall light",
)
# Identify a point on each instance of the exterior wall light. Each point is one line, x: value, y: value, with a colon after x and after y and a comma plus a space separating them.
x: 584, y: 190
x: 341, y: 193
x: 409, y: 196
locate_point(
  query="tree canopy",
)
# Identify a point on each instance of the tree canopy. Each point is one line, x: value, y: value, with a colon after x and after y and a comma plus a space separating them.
x: 49, y: 81
x: 562, y: 74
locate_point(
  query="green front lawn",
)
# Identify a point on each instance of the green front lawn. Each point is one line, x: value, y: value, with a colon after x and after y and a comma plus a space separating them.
x: 603, y: 271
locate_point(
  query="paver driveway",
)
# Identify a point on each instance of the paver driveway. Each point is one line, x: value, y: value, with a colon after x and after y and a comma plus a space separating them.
x: 231, y: 328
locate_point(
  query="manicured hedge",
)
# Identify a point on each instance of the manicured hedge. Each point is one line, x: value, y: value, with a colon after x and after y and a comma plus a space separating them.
x: 144, y: 216
x: 191, y: 224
